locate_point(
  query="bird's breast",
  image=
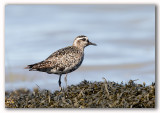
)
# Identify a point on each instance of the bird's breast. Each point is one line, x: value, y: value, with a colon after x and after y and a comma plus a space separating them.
x: 74, y: 64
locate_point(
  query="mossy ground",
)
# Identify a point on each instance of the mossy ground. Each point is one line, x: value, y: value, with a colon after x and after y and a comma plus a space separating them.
x: 86, y: 95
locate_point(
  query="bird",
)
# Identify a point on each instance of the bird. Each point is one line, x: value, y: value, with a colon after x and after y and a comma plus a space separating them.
x: 64, y: 60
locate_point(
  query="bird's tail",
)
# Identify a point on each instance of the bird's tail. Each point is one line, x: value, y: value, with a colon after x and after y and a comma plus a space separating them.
x: 38, y: 66
x: 29, y: 67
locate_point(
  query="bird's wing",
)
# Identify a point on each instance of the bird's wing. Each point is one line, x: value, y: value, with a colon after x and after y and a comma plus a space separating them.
x: 61, y: 54
x: 65, y: 56
x: 58, y: 54
x: 40, y: 65
x: 58, y: 60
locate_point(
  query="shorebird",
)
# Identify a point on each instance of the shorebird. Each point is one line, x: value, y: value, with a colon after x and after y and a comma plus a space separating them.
x: 64, y: 60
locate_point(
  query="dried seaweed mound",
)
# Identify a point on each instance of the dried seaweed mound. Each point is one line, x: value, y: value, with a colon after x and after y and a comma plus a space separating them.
x: 86, y: 95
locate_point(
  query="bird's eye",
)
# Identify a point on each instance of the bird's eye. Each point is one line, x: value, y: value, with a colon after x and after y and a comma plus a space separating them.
x: 83, y: 39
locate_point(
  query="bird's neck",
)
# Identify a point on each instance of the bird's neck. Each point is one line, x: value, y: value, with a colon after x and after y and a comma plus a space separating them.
x: 79, y: 47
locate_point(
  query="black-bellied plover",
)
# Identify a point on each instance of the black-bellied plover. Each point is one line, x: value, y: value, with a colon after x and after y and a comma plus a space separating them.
x: 64, y: 60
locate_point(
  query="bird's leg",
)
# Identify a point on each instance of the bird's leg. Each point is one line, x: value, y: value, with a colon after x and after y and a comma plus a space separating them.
x: 65, y: 79
x: 60, y: 82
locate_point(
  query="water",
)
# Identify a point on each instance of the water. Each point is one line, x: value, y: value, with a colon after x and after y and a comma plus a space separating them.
x: 125, y: 35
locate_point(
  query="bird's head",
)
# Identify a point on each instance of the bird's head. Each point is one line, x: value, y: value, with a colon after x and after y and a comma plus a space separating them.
x: 82, y: 41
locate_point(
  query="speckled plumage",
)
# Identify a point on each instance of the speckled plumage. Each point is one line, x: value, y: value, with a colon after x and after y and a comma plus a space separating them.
x: 64, y: 60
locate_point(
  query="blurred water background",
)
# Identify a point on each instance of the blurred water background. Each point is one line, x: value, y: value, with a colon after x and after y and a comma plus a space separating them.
x: 125, y: 35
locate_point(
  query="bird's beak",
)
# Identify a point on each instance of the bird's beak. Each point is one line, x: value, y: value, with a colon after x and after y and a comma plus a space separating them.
x: 90, y: 43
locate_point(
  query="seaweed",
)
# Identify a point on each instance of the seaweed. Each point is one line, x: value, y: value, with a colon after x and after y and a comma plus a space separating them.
x: 86, y: 95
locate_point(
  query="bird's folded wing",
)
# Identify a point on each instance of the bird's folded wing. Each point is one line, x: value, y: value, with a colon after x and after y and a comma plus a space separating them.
x: 40, y: 65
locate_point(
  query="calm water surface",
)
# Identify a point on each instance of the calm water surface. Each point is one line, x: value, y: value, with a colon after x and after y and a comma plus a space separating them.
x: 125, y: 35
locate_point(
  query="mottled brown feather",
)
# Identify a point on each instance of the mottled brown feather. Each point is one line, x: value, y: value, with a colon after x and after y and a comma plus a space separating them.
x: 70, y: 56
